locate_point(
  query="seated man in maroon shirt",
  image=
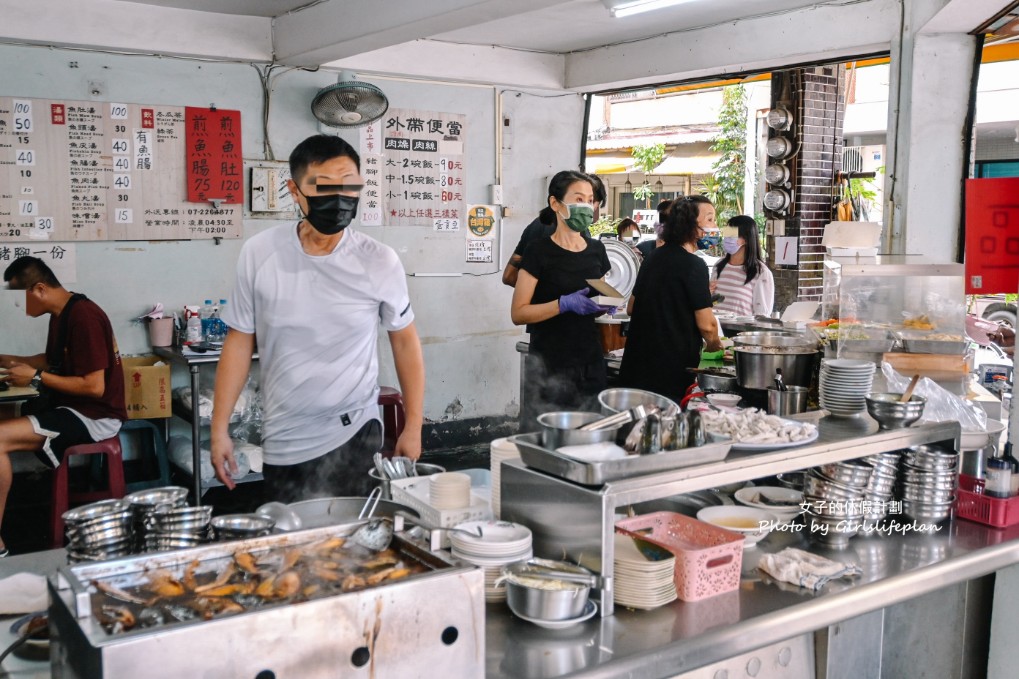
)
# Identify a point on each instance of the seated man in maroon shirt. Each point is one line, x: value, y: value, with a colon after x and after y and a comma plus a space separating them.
x: 79, y: 375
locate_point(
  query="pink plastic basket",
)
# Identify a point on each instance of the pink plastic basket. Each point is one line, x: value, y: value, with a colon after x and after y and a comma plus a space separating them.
x: 708, y: 558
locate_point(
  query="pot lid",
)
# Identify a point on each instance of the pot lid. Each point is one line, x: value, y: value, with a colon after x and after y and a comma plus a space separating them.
x: 625, y: 264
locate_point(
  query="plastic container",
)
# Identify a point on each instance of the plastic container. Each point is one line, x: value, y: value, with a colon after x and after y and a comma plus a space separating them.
x: 708, y: 558
x: 998, y: 478
x: 981, y: 508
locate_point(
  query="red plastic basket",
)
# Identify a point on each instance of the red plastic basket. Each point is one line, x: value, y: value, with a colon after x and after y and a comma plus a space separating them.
x: 991, y: 511
x: 708, y: 558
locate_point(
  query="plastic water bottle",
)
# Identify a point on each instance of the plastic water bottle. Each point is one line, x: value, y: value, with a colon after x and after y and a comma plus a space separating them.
x: 206, y: 315
x: 217, y: 328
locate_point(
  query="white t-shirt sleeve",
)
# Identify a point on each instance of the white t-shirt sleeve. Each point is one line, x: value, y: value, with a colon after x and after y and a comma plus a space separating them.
x: 764, y: 292
x: 240, y: 313
x: 395, y: 312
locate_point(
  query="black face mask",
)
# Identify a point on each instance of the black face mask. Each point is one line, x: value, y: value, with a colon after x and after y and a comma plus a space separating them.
x: 331, y: 214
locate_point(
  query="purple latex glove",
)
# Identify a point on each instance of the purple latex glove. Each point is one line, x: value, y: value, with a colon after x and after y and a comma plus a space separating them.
x: 579, y: 303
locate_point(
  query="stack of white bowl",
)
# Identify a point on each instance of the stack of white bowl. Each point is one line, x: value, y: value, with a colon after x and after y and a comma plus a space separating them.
x: 501, y: 450
x: 640, y: 582
x: 500, y: 543
x: 449, y: 490
x: 880, y: 489
x: 844, y: 385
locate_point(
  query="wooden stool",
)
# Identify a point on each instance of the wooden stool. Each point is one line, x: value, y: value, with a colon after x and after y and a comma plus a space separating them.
x: 63, y: 497
x: 393, y: 418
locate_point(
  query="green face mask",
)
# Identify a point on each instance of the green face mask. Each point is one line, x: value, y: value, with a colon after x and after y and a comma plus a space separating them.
x: 581, y: 216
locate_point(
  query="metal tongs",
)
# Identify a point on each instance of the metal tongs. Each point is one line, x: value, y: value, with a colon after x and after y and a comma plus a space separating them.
x: 638, y: 412
x: 537, y: 570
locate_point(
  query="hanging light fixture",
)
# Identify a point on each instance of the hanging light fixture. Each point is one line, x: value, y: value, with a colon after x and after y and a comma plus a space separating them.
x: 628, y: 187
x: 659, y: 186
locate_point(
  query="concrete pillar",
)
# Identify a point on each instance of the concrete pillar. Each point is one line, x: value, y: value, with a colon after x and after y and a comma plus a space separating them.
x: 930, y: 144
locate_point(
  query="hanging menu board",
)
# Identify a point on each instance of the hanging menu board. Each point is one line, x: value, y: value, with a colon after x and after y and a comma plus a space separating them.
x: 421, y: 167
x: 80, y: 171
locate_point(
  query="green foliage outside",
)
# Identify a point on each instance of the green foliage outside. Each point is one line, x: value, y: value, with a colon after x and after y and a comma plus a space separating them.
x: 605, y: 224
x: 646, y: 158
x: 725, y: 188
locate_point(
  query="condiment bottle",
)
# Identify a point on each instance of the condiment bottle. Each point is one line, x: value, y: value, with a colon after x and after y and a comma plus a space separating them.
x: 1014, y: 463
x: 998, y: 478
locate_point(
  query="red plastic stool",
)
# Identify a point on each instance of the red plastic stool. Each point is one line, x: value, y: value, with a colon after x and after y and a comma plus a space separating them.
x: 393, y: 418
x: 63, y: 497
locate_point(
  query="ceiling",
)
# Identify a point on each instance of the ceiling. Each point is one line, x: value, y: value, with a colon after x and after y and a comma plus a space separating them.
x: 254, y: 8
x: 557, y: 28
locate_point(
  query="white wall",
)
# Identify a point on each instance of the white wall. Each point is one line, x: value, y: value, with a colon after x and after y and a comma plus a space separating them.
x: 464, y: 322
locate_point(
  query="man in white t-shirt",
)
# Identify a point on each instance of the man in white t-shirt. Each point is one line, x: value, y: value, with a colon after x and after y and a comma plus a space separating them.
x: 314, y: 296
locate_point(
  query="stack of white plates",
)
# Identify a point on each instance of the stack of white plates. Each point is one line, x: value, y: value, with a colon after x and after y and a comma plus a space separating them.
x: 501, y: 450
x: 844, y: 384
x: 641, y: 583
x: 449, y: 490
x: 500, y: 543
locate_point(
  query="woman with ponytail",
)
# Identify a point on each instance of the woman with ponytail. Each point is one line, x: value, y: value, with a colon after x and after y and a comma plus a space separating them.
x: 552, y: 297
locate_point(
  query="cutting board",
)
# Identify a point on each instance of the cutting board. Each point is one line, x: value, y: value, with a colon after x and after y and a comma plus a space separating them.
x: 934, y: 366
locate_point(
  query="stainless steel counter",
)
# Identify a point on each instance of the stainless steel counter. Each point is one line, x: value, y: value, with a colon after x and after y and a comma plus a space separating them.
x: 683, y: 636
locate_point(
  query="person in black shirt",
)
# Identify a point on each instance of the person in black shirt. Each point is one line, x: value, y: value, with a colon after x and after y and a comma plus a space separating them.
x: 670, y: 309
x: 551, y: 296
x: 542, y: 229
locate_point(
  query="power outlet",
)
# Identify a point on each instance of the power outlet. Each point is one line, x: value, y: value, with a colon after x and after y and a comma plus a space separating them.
x: 774, y: 227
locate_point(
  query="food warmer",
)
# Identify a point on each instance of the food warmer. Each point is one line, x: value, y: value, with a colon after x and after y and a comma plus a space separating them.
x: 400, y: 628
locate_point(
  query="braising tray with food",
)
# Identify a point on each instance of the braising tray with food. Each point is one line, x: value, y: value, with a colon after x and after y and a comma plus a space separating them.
x: 598, y: 473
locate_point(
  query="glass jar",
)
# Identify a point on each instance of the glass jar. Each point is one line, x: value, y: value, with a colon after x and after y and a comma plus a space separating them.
x: 998, y: 481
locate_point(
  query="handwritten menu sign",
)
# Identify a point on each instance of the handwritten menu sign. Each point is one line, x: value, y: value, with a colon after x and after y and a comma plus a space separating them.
x: 60, y: 257
x: 215, y: 164
x: 370, y: 208
x: 421, y: 179
x: 84, y: 170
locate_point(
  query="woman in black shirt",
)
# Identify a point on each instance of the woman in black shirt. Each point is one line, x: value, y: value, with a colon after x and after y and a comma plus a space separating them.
x: 551, y: 297
x: 670, y: 309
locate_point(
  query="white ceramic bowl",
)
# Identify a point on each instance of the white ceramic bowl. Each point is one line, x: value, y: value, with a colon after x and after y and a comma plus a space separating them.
x: 975, y: 440
x: 775, y: 499
x: 724, y: 399
x: 752, y: 523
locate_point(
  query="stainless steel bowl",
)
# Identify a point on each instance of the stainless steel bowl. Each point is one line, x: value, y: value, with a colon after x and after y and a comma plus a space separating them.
x: 617, y: 400
x: 535, y: 598
x: 94, y: 510
x: 849, y: 473
x: 890, y: 413
x: 819, y: 486
x: 153, y: 497
x: 231, y: 526
x: 776, y: 338
x: 559, y: 429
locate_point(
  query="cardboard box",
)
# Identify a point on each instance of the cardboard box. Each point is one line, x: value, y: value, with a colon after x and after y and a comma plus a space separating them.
x: 146, y: 387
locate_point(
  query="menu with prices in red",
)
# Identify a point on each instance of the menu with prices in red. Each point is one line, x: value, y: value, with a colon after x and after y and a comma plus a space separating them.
x: 215, y: 164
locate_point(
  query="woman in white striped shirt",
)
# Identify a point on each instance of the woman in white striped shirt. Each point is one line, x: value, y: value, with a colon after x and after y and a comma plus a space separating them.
x: 742, y: 277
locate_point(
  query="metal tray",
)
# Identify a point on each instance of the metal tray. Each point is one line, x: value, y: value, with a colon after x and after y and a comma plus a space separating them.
x: 599, y: 473
x: 873, y: 346
x: 923, y: 346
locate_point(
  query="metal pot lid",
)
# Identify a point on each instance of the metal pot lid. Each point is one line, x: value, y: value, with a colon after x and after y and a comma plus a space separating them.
x: 625, y: 264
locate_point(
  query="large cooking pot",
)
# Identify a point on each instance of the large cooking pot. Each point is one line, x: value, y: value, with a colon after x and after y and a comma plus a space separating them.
x: 773, y: 338
x: 329, y: 511
x: 756, y: 366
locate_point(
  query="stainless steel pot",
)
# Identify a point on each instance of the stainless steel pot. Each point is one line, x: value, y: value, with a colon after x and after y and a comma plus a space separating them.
x: 559, y: 429
x: 756, y: 366
x: 331, y: 511
x: 773, y: 339
x: 715, y: 381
